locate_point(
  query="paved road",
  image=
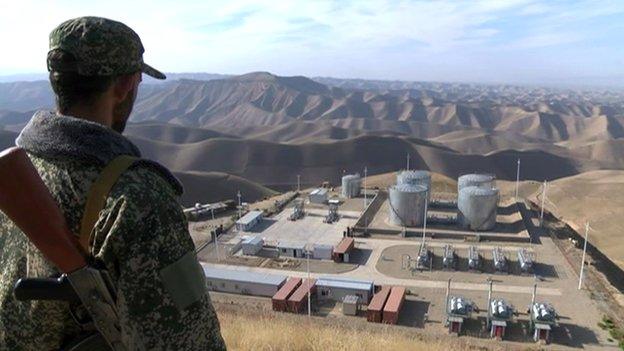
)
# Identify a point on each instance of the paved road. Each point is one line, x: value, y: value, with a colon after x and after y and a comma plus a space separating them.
x: 364, y: 272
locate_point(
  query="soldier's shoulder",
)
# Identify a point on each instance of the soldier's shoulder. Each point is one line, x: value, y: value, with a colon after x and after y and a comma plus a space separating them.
x: 147, y: 179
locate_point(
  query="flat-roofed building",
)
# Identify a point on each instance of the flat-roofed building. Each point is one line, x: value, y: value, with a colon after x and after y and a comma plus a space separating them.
x: 242, y: 282
x: 248, y: 221
x: 337, y: 288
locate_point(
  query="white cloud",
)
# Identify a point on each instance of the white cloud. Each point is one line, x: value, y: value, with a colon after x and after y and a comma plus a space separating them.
x: 316, y: 37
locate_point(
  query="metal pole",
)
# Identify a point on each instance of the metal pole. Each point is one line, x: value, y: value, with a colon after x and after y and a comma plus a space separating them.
x: 298, y: 182
x: 215, y: 232
x: 365, y: 199
x: 517, y: 179
x: 543, y: 199
x: 448, y: 292
x: 309, y: 292
x: 534, y: 294
x: 425, y: 219
x: 240, y: 208
x: 583, y: 260
x: 489, y: 307
x: 408, y: 159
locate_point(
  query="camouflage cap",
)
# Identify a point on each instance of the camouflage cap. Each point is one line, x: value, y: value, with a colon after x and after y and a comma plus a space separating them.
x: 101, y: 47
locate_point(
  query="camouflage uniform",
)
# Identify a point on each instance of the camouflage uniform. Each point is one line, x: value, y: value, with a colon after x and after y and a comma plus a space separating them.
x: 141, y: 238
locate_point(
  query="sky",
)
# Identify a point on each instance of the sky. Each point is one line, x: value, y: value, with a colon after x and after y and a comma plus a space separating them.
x: 507, y: 41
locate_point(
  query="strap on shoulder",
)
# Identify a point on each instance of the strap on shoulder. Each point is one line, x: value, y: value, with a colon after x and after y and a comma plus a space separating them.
x: 96, y: 199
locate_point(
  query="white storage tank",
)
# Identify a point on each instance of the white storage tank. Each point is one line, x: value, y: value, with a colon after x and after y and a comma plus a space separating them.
x: 476, y: 208
x: 351, y: 185
x: 476, y: 179
x: 414, y: 177
x: 406, y: 204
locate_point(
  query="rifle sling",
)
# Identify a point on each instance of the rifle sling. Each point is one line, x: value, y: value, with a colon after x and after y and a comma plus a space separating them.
x: 96, y: 198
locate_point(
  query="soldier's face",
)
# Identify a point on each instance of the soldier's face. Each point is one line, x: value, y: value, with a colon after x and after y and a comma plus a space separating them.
x: 121, y: 112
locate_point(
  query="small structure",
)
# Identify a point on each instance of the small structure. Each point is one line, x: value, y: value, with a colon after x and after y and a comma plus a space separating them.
x: 350, y: 305
x: 279, y: 300
x: 298, y: 210
x: 323, y: 252
x: 448, y: 260
x: 248, y: 221
x: 318, y: 196
x: 458, y: 309
x: 337, y: 288
x: 242, y: 282
x: 424, y: 259
x: 525, y: 261
x: 252, y: 245
x: 474, y: 259
x: 200, y: 211
x: 543, y: 319
x: 298, y: 301
x: 332, y: 214
x: 342, y: 251
x: 500, y: 261
x: 376, y: 305
x: 393, y: 305
x: 499, y: 314
x: 290, y: 249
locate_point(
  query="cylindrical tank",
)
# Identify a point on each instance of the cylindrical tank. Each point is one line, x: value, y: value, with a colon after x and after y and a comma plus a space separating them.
x: 415, y: 178
x: 351, y: 184
x: 477, y: 179
x: 407, y: 204
x: 476, y: 208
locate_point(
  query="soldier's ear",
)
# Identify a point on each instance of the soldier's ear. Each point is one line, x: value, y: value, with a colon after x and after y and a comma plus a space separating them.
x: 124, y: 85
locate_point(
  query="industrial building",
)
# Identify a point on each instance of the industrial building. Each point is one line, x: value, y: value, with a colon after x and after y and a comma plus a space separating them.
x: 343, y: 250
x: 279, y: 300
x: 248, y: 221
x: 318, y: 196
x: 351, y: 185
x: 252, y: 245
x: 407, y: 204
x: 337, y: 288
x: 290, y: 249
x: 242, y: 282
x: 393, y: 305
x: 323, y: 251
x: 374, y: 312
x: 477, y: 207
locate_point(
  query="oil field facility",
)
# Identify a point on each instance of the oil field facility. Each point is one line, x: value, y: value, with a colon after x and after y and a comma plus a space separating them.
x: 468, y: 262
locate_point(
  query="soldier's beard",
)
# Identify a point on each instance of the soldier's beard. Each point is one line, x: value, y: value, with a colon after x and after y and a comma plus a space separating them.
x: 121, y: 112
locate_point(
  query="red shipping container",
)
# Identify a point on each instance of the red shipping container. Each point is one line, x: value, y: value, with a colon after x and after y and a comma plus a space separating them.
x: 281, y: 296
x: 375, y: 307
x: 345, y: 246
x: 299, y: 299
x: 393, y: 305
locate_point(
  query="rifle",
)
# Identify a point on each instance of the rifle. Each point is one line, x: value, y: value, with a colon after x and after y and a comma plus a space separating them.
x: 26, y: 200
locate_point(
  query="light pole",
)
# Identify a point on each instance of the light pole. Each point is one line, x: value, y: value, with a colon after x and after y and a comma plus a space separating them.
x: 425, y: 217
x: 240, y: 206
x: 298, y: 183
x: 543, y: 199
x: 309, y: 292
x: 216, y: 238
x: 365, y: 199
x: 583, y: 259
x: 408, y: 159
x: 517, y: 178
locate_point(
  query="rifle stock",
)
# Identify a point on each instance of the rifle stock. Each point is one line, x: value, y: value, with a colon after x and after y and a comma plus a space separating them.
x: 26, y: 200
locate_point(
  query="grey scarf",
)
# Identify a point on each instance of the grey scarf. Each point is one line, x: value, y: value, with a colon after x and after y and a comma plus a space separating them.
x: 54, y: 136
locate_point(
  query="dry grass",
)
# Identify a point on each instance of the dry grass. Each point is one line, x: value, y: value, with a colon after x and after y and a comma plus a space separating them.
x: 268, y: 331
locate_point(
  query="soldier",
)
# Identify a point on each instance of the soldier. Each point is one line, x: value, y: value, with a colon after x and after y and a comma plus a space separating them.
x: 140, y: 236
